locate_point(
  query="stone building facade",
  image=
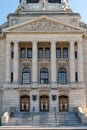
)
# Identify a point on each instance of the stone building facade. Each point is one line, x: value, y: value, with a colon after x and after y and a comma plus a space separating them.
x: 43, y: 58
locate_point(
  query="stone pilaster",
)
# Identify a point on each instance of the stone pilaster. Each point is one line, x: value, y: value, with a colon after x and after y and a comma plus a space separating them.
x: 80, y: 62
x: 8, y: 62
x: 34, y: 63
x: 16, y: 63
x: 53, y: 62
x: 72, y: 61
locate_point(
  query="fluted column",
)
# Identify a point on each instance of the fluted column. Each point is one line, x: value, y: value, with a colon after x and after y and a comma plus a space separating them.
x: 80, y: 62
x: 53, y: 62
x: 34, y: 62
x: 8, y: 62
x: 16, y: 63
x: 72, y: 62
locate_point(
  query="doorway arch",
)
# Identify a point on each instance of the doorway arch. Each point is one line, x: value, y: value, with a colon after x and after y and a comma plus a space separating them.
x: 24, y: 103
x: 44, y: 103
x: 63, y: 103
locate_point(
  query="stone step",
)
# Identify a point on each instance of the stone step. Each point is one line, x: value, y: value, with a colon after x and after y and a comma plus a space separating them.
x: 44, y: 119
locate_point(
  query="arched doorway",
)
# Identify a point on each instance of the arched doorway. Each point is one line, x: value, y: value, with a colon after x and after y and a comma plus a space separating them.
x: 24, y: 103
x: 63, y: 103
x: 44, y: 103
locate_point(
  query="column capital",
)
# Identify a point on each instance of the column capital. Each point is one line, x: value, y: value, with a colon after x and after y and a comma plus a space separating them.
x: 72, y: 41
x: 79, y: 41
x: 53, y: 42
x: 15, y: 41
x: 34, y: 42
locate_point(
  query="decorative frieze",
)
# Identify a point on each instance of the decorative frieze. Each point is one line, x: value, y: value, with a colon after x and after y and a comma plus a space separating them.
x: 44, y: 25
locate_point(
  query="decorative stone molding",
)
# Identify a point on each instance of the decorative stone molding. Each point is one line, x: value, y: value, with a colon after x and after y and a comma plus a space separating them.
x: 63, y: 92
x: 24, y: 92
x: 44, y: 63
x: 61, y: 62
x: 44, y: 92
x: 43, y: 25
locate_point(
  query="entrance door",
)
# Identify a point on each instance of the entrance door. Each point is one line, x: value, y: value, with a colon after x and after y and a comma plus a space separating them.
x: 44, y: 103
x: 63, y: 103
x: 24, y: 103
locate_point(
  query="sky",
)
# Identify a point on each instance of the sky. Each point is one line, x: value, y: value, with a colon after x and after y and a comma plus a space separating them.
x: 9, y: 6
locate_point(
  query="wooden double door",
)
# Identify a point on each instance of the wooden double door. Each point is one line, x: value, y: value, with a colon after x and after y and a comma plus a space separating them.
x: 24, y: 103
x: 44, y: 103
x: 63, y: 103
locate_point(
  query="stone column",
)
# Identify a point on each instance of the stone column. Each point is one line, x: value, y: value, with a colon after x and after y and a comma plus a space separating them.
x: 34, y: 64
x: 72, y: 61
x: 8, y: 62
x: 16, y: 63
x: 80, y: 62
x: 53, y: 62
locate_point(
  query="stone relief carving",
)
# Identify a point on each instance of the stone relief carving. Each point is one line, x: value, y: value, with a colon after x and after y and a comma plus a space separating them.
x: 24, y: 92
x: 44, y: 92
x: 43, y: 25
x: 63, y: 92
x: 61, y: 62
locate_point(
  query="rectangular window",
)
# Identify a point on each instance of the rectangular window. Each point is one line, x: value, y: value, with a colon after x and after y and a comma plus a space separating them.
x: 12, y: 54
x: 75, y: 54
x: 12, y: 77
x: 58, y: 53
x: 26, y: 78
x: 29, y: 53
x: 62, y: 78
x: 40, y: 53
x: 76, y: 76
x: 22, y: 53
x: 47, y: 53
x: 65, y: 52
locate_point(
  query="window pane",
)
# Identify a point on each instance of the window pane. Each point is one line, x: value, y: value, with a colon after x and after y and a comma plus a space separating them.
x: 40, y: 53
x: 62, y: 77
x: 58, y: 53
x: 29, y: 53
x: 22, y: 53
x: 26, y: 76
x: 44, y: 76
x: 47, y: 53
x: 65, y: 52
x: 32, y: 1
x: 54, y: 1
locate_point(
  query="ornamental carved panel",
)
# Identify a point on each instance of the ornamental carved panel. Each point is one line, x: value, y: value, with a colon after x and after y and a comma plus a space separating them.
x: 44, y: 25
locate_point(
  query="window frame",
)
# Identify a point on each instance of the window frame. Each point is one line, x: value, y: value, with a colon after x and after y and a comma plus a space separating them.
x: 58, y: 56
x: 29, y: 56
x: 62, y: 72
x: 25, y: 79
x: 22, y: 54
x: 32, y: 1
x: 47, y: 56
x: 54, y: 1
x: 65, y: 55
x: 40, y: 56
x: 44, y: 72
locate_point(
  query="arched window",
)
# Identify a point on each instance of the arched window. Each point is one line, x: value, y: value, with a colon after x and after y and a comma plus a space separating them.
x: 32, y: 1
x: 44, y: 76
x: 54, y: 1
x: 26, y: 76
x: 62, y: 76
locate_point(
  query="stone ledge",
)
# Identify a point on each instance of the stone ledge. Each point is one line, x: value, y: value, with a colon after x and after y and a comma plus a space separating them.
x: 45, y: 86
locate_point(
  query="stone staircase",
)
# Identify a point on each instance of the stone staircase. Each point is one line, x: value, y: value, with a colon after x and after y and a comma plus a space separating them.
x: 44, y: 119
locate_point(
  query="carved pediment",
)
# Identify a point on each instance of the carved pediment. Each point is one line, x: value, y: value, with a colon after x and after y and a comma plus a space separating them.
x: 43, y: 24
